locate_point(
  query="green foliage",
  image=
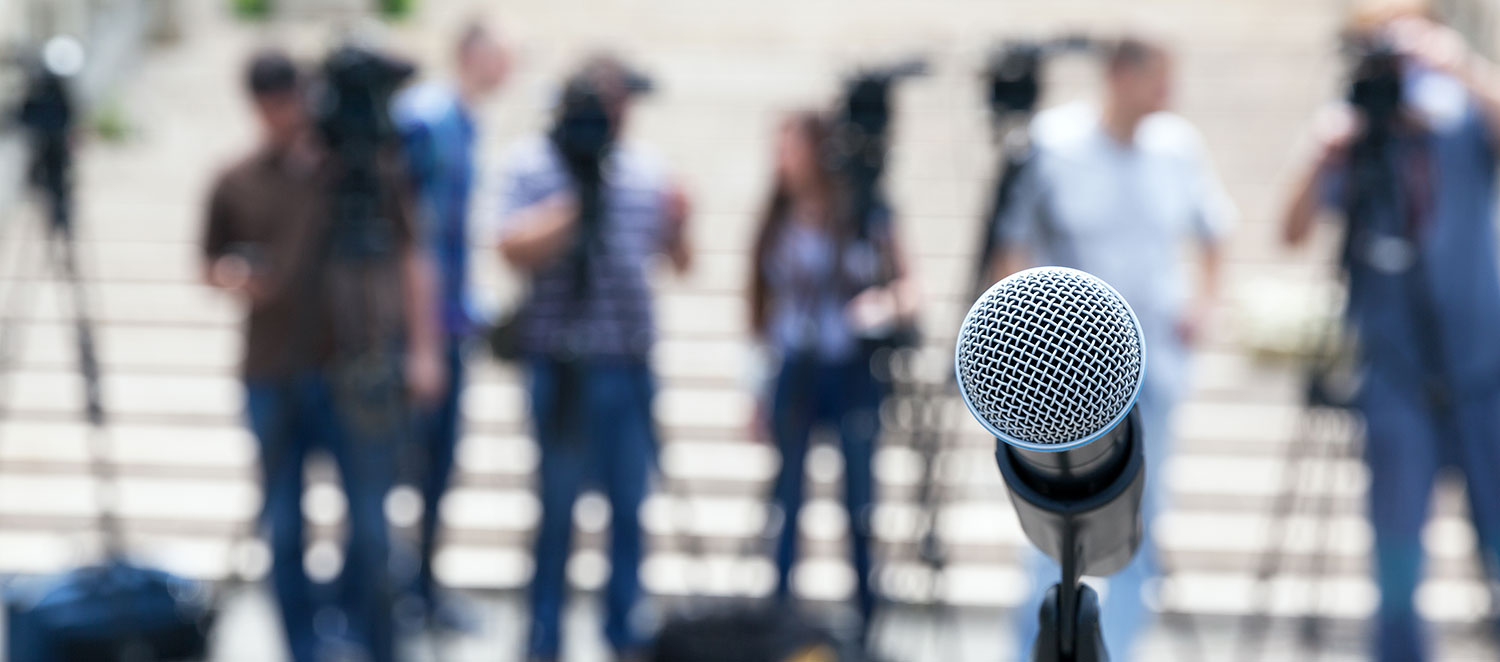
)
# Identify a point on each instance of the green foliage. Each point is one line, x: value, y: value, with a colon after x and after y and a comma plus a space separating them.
x: 252, y: 9
x: 261, y: 9
x: 397, y: 9
x: 110, y: 123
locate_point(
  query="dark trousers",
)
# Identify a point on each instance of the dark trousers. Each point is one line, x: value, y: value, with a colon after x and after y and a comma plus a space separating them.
x: 592, y: 420
x: 438, y: 441
x: 1407, y: 442
x: 845, y: 397
x: 291, y: 419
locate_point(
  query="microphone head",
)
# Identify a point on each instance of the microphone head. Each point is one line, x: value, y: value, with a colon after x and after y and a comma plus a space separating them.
x: 1050, y: 358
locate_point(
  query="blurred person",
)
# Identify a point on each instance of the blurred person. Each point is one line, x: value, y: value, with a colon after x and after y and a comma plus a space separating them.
x: 1423, y: 298
x: 1117, y: 189
x: 587, y: 328
x: 814, y: 287
x: 266, y: 238
x: 438, y: 130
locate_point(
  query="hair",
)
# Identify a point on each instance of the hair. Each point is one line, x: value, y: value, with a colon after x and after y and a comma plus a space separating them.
x: 271, y: 72
x: 604, y: 73
x: 473, y: 33
x: 1131, y: 51
x: 817, y: 130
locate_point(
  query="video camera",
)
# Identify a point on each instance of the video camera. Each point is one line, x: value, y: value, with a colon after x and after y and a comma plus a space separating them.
x: 860, y: 134
x: 1375, y: 86
x: 351, y: 102
x: 584, y: 133
x: 1013, y: 85
x: 48, y: 114
x: 585, y: 128
x: 1013, y: 75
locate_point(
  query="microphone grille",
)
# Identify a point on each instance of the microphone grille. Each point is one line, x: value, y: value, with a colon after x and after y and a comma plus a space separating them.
x: 1049, y: 358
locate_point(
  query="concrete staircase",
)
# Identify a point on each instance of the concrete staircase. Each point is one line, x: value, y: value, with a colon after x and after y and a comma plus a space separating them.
x: 1250, y: 75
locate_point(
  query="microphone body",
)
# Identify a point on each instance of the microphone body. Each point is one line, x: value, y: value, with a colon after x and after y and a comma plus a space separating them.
x: 1051, y: 361
x: 1097, y: 511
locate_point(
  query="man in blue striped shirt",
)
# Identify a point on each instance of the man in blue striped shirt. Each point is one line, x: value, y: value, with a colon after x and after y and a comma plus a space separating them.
x: 437, y: 126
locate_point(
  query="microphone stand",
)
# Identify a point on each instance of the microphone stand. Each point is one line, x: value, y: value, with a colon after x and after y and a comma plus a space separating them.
x: 1094, y: 531
x: 1068, y: 621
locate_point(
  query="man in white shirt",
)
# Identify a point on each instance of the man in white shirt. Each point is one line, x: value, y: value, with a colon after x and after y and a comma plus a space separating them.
x: 1116, y: 189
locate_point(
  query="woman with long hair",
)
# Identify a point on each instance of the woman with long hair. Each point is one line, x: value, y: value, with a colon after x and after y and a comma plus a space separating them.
x: 825, y: 287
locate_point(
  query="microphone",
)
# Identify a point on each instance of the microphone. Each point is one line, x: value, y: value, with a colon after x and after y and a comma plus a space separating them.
x: 1050, y: 361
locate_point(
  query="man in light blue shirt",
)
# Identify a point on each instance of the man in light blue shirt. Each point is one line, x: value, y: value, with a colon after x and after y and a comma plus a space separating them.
x: 1117, y: 189
x: 437, y: 129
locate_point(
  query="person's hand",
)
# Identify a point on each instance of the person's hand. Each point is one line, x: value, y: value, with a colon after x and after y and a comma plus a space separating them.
x: 1431, y: 44
x: 678, y: 210
x: 873, y: 308
x: 559, y: 210
x: 758, y: 428
x: 235, y: 274
x: 1334, y: 129
x: 426, y: 376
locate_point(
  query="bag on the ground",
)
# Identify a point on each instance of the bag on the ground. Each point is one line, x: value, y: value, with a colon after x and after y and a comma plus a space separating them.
x: 115, y: 612
x: 758, y: 632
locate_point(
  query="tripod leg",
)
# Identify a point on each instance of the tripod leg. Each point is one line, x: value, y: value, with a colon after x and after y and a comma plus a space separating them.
x: 1252, y: 637
x: 17, y: 299
x: 1339, y: 433
x: 17, y: 302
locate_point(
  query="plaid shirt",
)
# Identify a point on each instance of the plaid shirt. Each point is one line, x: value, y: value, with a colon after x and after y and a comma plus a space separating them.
x: 614, y: 318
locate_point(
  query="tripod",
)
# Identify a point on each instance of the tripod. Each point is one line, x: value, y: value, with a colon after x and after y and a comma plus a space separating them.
x: 1326, y: 435
x: 59, y: 259
x: 1016, y: 155
x: 924, y: 407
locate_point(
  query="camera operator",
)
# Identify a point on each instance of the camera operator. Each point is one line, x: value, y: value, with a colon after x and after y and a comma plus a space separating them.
x: 1116, y: 190
x: 269, y: 223
x: 438, y: 131
x: 584, y: 213
x: 1411, y: 164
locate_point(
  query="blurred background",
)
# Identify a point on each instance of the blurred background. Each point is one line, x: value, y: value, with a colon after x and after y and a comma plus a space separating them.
x: 162, y: 112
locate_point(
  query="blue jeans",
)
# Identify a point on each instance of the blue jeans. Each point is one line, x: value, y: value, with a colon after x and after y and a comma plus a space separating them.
x: 593, y: 423
x: 291, y: 418
x: 1122, y: 611
x: 846, y: 397
x: 1407, y: 442
x: 438, y: 439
